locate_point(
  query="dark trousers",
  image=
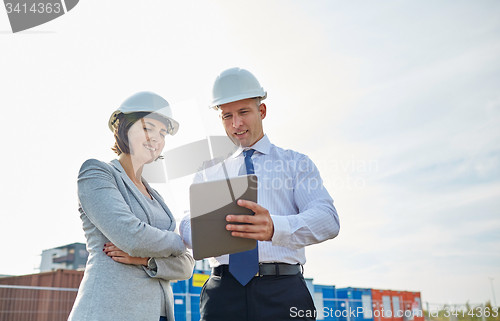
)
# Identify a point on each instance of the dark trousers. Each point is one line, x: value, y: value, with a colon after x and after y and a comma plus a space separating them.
x: 272, y: 298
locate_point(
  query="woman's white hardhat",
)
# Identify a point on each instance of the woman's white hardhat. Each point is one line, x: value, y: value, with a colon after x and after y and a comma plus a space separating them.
x: 148, y: 102
x: 235, y: 84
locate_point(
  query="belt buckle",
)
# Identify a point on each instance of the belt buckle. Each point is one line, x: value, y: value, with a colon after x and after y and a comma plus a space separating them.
x: 258, y: 271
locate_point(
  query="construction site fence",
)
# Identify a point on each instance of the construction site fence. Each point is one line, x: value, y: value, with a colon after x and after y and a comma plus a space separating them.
x: 35, y: 303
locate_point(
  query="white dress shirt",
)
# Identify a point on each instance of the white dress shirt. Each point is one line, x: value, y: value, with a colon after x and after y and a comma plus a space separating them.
x: 291, y: 189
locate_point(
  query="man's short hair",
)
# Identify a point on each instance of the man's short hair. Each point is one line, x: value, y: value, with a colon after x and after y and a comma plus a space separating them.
x: 258, y: 101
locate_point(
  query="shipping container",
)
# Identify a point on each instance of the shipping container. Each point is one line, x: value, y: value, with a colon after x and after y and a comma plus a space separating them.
x: 355, y: 304
x: 382, y: 305
x: 397, y: 305
x: 325, y: 300
x: 187, y: 296
x: 57, y: 279
x: 413, y: 306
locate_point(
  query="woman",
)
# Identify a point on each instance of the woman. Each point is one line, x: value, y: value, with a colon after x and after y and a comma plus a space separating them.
x: 133, y: 249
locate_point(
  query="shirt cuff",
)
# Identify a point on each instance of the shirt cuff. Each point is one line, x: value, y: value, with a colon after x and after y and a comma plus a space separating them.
x: 282, y: 231
x: 185, y: 231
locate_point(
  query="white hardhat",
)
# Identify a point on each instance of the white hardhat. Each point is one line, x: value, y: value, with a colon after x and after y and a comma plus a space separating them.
x: 235, y: 84
x: 146, y: 102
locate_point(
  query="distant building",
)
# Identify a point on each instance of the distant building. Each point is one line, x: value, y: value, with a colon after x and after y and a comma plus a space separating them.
x: 70, y: 257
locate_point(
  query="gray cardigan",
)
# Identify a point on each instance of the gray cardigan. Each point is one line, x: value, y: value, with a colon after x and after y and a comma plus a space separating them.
x: 113, y: 209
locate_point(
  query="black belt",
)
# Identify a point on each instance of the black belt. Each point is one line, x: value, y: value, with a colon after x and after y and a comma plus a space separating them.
x: 264, y: 269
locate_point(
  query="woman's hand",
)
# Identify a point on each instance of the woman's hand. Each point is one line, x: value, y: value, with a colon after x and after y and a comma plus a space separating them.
x: 119, y: 256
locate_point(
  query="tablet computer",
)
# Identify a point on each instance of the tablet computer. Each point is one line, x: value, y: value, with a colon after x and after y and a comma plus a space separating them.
x: 210, y: 203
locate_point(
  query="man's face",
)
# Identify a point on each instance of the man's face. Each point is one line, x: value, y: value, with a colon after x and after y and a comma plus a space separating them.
x: 242, y: 121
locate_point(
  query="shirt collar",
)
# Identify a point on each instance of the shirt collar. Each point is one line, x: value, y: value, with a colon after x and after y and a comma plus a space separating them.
x: 263, y: 146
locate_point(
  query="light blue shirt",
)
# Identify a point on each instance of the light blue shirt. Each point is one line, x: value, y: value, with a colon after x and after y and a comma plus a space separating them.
x: 291, y: 189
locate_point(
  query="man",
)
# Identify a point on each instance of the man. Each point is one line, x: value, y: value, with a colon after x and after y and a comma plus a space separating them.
x: 293, y: 210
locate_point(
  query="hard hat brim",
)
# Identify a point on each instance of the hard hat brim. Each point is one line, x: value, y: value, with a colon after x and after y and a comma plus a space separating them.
x: 216, y: 103
x: 112, y: 120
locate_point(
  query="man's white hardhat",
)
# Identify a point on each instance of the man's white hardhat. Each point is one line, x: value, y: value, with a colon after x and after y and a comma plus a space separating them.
x: 148, y: 102
x: 235, y: 84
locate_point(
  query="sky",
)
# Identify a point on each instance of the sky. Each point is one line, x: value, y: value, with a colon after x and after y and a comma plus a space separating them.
x: 397, y: 103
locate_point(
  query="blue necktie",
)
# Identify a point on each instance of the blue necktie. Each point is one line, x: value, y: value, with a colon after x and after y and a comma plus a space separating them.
x: 244, y: 265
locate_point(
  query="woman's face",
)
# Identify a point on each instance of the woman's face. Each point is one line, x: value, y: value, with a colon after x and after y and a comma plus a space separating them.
x: 146, y: 139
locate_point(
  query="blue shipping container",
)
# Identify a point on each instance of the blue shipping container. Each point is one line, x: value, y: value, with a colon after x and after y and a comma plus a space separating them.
x: 354, y: 304
x: 187, y: 296
x: 325, y: 300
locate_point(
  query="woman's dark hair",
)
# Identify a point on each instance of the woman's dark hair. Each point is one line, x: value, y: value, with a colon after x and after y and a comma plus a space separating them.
x: 123, y: 124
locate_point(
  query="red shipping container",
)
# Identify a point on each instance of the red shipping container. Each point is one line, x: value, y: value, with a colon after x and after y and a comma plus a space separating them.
x: 397, y: 305
x: 413, y: 303
x: 382, y: 306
